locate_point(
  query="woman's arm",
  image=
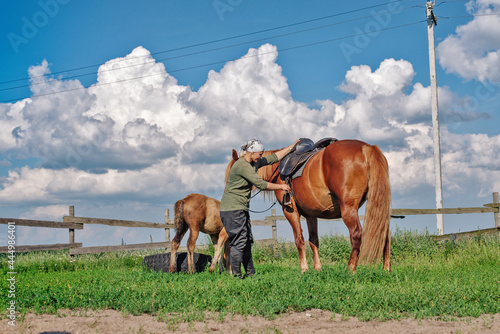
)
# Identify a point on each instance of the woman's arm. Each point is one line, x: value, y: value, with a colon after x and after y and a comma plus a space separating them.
x: 276, y: 186
x: 285, y: 151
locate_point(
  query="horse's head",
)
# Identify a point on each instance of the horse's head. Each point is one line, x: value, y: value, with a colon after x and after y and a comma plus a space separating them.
x: 234, y: 158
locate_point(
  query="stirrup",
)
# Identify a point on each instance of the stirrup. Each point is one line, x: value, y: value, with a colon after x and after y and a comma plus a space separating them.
x: 287, y: 198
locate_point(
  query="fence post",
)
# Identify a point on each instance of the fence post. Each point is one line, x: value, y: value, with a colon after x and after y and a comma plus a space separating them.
x: 496, y: 214
x: 71, y: 231
x: 167, y: 230
x: 275, y: 231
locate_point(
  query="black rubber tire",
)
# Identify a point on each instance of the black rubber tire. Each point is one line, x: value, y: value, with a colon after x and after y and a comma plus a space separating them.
x: 161, y: 262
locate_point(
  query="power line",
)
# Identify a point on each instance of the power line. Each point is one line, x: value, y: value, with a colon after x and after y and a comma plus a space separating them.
x: 209, y: 50
x: 219, y: 62
x: 447, y: 1
x: 221, y: 39
x: 468, y: 16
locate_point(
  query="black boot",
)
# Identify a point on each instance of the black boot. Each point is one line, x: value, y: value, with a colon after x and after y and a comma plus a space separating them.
x: 236, y: 259
x: 248, y: 263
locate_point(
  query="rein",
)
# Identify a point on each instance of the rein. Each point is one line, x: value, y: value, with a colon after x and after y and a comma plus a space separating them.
x: 266, y: 209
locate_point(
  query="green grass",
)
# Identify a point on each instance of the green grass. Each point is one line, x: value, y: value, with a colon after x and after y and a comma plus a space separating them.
x: 453, y: 279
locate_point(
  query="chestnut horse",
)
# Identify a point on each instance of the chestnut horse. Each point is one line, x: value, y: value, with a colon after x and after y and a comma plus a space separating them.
x: 335, y: 183
x: 199, y: 213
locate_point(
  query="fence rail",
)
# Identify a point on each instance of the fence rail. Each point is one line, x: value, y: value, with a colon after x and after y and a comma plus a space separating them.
x: 115, y: 222
x: 72, y: 223
x: 41, y: 223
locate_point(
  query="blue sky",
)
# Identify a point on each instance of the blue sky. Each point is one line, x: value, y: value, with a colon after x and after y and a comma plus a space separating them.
x: 123, y: 107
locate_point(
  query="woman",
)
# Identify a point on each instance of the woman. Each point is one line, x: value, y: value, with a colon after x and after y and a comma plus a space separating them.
x: 235, y: 201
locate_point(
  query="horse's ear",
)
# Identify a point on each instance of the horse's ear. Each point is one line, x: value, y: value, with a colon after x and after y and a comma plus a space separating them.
x: 235, y: 155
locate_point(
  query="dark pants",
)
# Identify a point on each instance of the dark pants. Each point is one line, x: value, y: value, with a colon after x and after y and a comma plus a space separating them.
x: 239, y: 230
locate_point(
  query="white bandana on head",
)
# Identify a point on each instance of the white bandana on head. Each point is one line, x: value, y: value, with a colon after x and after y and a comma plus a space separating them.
x: 253, y: 146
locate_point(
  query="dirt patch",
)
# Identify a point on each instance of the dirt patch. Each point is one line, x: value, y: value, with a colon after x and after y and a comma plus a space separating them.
x: 312, y: 321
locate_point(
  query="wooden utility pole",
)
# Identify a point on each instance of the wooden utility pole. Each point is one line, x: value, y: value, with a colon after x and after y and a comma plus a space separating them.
x: 431, y: 22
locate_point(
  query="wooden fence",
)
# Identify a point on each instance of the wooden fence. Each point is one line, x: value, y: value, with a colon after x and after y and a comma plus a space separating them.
x: 72, y: 223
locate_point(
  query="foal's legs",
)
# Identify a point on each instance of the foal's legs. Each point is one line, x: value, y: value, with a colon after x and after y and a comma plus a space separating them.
x: 193, y: 236
x: 351, y: 219
x: 294, y: 218
x: 175, y: 246
x: 312, y: 226
x: 218, y: 240
x: 215, y: 242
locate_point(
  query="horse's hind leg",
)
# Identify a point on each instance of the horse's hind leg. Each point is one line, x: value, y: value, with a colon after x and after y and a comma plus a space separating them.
x: 351, y: 220
x: 191, y: 244
x: 174, y: 247
x: 387, y: 253
x: 312, y: 226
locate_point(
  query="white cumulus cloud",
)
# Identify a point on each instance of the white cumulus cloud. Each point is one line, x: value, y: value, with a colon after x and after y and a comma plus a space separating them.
x: 473, y: 51
x: 137, y: 135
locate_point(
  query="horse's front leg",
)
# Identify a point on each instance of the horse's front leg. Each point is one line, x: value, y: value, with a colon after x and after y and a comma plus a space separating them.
x: 217, y: 251
x: 293, y: 217
x: 218, y: 240
x: 312, y: 226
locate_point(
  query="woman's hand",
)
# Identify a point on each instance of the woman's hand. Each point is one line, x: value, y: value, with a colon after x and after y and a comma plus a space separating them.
x: 285, y: 187
x: 294, y: 144
x: 286, y: 150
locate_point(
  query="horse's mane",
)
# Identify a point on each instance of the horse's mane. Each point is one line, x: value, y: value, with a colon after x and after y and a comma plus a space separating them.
x: 265, y: 173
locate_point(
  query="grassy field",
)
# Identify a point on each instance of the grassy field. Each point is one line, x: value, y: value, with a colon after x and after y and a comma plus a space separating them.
x: 447, y: 280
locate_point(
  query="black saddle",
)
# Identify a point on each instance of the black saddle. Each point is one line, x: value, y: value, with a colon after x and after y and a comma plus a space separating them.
x: 303, y: 151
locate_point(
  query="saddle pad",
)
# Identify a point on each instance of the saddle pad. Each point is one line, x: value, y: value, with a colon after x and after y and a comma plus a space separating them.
x: 298, y: 172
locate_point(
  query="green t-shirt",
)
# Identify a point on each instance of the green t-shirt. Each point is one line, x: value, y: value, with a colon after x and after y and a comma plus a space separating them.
x: 242, y: 177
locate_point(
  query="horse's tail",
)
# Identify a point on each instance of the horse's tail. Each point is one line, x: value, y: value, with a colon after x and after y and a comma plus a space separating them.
x: 180, y: 224
x: 376, y: 230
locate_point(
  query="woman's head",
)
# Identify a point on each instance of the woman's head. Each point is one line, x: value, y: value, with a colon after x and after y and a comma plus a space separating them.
x: 253, y: 146
x: 254, y: 150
